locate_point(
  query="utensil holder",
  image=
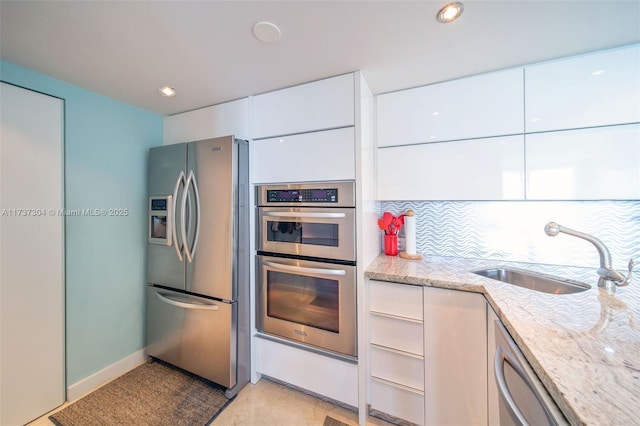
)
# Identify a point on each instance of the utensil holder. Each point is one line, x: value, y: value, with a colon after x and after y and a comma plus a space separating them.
x: 391, y: 244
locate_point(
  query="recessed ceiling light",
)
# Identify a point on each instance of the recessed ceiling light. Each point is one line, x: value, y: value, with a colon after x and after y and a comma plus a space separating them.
x: 450, y: 12
x: 266, y: 32
x: 167, y: 91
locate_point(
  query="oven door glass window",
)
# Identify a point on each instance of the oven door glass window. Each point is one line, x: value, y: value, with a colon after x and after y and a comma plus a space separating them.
x: 304, y: 300
x: 317, y: 234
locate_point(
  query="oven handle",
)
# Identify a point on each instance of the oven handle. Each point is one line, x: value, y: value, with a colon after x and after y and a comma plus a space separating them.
x: 318, y: 271
x: 305, y: 214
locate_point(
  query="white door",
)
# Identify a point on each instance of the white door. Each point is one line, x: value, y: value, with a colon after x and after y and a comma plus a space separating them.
x: 32, y: 261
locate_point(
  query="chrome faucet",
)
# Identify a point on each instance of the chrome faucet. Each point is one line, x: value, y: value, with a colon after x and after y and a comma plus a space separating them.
x: 607, y: 274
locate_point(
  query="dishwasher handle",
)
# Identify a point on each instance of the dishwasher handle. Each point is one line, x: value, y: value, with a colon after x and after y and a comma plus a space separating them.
x: 504, y: 356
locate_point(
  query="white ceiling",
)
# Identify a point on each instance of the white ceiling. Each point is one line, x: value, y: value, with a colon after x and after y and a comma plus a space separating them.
x: 205, y: 49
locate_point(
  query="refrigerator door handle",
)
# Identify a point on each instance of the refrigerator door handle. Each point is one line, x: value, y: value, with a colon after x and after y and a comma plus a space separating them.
x: 190, y: 252
x: 302, y: 269
x: 197, y: 194
x: 204, y: 306
x: 174, y: 227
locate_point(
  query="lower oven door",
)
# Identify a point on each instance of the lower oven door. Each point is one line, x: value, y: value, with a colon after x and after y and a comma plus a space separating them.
x: 313, y: 303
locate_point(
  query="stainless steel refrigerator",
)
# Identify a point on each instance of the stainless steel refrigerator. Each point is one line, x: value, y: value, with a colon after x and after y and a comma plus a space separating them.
x: 197, y: 259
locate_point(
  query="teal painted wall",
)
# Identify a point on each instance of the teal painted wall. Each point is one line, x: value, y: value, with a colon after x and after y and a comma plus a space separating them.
x: 106, y: 145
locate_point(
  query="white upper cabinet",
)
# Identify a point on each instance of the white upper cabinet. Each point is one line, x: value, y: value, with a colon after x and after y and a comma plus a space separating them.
x: 320, y: 105
x: 317, y: 156
x: 484, y: 105
x: 585, y: 164
x: 230, y: 118
x: 477, y: 169
x: 584, y: 91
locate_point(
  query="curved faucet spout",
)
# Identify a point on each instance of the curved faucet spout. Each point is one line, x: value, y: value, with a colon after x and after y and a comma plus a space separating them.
x: 608, y: 276
x: 552, y: 229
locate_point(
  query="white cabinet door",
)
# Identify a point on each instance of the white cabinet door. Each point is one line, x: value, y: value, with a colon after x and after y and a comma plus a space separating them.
x: 231, y: 118
x: 482, y: 169
x: 480, y: 106
x: 588, y: 164
x: 32, y: 265
x: 317, y: 156
x: 583, y: 91
x: 319, y: 105
x: 455, y: 355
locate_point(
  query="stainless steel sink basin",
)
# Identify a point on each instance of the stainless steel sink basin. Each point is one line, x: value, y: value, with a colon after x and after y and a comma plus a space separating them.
x: 533, y: 280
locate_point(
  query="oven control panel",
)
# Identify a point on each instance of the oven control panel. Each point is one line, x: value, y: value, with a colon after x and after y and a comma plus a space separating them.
x: 317, y: 195
x: 328, y: 194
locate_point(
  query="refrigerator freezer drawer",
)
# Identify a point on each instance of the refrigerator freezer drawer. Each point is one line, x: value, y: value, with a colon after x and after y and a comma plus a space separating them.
x: 193, y: 333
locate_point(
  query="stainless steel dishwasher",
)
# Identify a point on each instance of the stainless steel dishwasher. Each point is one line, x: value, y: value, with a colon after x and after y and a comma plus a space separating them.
x: 523, y: 398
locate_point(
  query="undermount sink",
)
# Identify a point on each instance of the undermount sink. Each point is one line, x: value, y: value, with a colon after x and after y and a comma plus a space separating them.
x: 533, y: 281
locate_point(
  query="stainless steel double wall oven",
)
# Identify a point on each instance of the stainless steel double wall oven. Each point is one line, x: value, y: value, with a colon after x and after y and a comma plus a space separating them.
x: 306, y: 265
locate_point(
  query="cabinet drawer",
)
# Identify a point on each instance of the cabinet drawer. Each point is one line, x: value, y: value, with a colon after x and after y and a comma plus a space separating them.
x: 397, y: 367
x: 396, y: 333
x: 397, y: 401
x: 396, y: 299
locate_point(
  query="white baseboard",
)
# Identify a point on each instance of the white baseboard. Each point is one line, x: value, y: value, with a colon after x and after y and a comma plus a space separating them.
x: 94, y: 381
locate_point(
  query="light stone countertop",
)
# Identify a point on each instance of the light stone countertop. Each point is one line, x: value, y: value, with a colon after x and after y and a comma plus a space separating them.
x: 585, y: 347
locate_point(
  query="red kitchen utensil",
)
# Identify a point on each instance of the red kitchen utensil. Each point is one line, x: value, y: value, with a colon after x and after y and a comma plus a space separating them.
x: 390, y: 224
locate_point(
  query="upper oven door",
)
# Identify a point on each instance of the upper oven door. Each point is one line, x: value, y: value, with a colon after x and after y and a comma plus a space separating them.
x: 303, y: 231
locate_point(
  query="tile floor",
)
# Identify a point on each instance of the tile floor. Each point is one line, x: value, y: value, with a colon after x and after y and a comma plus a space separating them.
x: 270, y: 404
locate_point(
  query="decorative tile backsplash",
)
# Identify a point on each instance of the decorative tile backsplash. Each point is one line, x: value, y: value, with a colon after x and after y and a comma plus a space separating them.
x: 514, y: 230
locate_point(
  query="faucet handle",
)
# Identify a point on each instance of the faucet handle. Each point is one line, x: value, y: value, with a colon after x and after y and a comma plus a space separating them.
x: 616, y: 277
x: 628, y: 278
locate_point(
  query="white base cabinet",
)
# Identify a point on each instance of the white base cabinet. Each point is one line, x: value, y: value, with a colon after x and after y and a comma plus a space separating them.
x: 455, y: 357
x: 396, y: 350
x: 438, y: 377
